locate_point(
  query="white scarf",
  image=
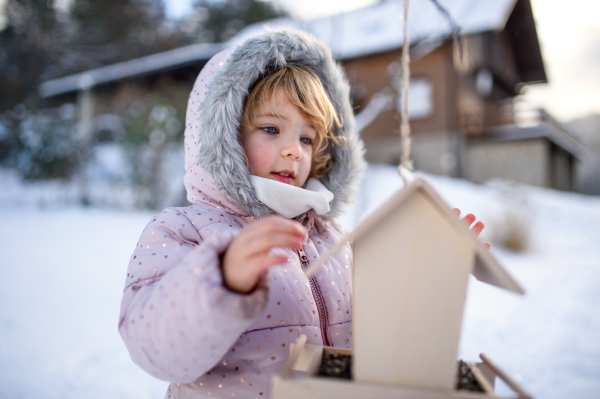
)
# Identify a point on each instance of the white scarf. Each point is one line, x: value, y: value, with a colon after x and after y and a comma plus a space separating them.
x: 291, y: 201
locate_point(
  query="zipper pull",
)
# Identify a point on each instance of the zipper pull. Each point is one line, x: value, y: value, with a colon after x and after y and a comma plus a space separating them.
x: 303, y: 256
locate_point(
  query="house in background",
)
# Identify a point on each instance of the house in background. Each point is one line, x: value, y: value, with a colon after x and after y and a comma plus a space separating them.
x: 460, y: 101
x: 589, y: 129
x: 109, y: 89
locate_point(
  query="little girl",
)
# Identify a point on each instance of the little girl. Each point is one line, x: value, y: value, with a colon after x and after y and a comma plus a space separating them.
x: 216, y: 292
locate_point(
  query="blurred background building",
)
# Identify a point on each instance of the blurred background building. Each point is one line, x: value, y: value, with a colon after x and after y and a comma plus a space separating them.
x: 97, y: 91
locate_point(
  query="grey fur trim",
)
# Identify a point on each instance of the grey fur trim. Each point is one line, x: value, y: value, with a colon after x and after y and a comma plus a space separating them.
x: 222, y: 156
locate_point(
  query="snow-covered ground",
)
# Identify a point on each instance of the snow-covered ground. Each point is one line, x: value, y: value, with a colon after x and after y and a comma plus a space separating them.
x: 63, y: 267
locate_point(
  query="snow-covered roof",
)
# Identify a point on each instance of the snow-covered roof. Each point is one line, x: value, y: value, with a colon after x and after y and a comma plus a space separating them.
x: 379, y: 28
x: 137, y: 67
x: 361, y: 32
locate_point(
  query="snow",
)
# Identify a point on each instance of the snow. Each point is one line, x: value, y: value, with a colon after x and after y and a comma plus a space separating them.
x: 64, y: 265
x: 378, y: 28
x: 63, y: 274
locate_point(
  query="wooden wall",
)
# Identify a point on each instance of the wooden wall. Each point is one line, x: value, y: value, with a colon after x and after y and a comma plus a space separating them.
x: 459, y: 109
x: 525, y: 161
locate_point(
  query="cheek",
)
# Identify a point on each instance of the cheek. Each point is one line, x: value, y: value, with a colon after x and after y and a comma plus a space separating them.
x: 308, y: 158
x: 258, y: 153
x: 306, y: 163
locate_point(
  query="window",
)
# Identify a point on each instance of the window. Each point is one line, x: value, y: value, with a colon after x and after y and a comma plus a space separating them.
x: 420, y: 98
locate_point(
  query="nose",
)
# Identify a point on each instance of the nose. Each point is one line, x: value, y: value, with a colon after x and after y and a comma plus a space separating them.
x: 292, y: 149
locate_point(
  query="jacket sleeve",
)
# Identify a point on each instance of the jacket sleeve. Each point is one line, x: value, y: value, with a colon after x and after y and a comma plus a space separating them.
x: 177, y: 318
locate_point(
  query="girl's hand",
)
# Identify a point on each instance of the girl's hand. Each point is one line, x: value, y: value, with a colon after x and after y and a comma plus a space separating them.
x: 248, y: 256
x: 477, y: 228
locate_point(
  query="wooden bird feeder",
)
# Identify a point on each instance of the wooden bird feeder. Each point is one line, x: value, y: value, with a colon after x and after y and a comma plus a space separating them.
x: 412, y: 260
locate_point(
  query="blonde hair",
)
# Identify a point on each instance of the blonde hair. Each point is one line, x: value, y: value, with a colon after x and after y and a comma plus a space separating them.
x: 303, y: 89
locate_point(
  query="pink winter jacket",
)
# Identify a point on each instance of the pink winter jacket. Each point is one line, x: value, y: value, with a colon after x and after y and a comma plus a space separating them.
x: 177, y: 319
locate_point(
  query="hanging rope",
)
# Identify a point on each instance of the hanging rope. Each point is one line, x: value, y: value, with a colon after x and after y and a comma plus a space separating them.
x: 405, y: 126
x: 406, y: 166
x: 455, y: 28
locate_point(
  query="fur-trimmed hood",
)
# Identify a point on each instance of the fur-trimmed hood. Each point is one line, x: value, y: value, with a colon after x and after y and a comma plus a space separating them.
x: 215, y: 162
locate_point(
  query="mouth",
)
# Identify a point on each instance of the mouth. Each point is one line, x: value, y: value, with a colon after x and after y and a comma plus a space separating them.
x: 284, y: 176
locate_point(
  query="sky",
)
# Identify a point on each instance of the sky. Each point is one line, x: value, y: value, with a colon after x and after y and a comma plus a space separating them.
x: 569, y: 34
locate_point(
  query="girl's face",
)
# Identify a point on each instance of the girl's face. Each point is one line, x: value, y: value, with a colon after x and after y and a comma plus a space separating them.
x: 279, y: 144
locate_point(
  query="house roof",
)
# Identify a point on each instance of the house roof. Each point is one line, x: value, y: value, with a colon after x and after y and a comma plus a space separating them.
x: 370, y: 30
x: 522, y: 34
x: 166, y: 60
x: 486, y: 268
x: 378, y: 28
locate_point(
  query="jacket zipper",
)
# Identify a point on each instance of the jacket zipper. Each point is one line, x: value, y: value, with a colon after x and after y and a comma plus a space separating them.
x: 318, y: 299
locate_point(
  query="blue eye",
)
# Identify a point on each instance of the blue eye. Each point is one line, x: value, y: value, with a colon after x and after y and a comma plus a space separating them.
x: 270, y: 129
x: 306, y: 140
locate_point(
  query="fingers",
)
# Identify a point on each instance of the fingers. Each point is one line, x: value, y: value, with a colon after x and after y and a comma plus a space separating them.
x: 477, y: 228
x: 271, y: 232
x: 469, y: 219
x: 249, y: 254
x: 264, y: 262
x: 241, y: 273
x: 263, y: 243
x: 276, y: 224
x: 487, y: 245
